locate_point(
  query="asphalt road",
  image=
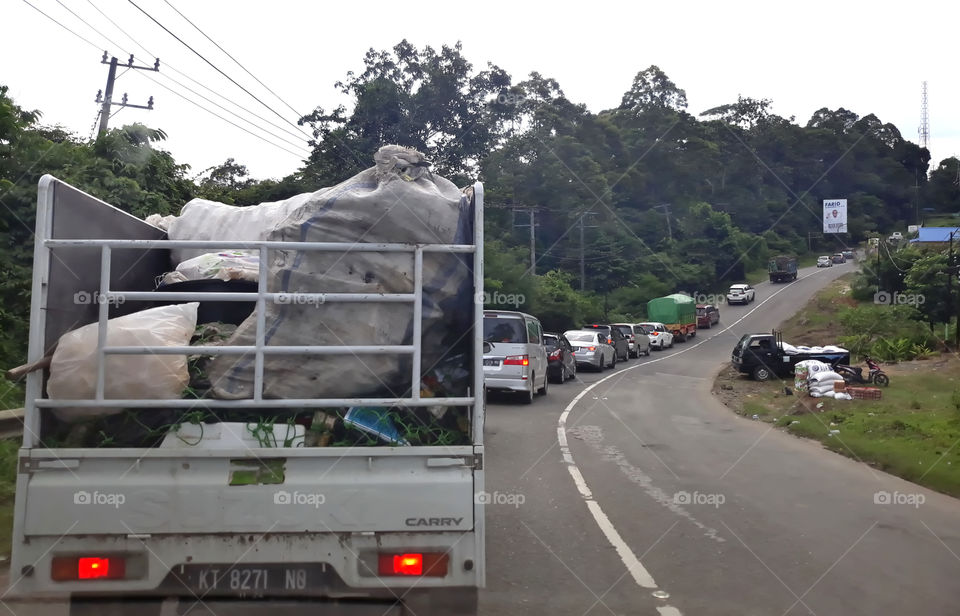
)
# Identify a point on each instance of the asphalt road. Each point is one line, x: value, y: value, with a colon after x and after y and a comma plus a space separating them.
x: 667, y: 503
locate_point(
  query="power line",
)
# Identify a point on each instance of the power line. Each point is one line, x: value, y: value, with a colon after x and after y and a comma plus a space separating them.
x: 83, y: 20
x: 353, y: 154
x: 299, y: 155
x: 192, y: 91
x: 222, y: 118
x: 79, y: 36
x: 237, y: 62
x: 212, y: 65
x: 207, y: 88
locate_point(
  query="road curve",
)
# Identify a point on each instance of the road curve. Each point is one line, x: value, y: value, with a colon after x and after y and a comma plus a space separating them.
x: 722, y: 515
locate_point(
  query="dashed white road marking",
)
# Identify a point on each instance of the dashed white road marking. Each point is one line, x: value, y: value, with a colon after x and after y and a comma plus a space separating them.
x: 634, y: 567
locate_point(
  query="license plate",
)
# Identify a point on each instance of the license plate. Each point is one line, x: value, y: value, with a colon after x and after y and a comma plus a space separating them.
x: 255, y: 581
x: 491, y: 362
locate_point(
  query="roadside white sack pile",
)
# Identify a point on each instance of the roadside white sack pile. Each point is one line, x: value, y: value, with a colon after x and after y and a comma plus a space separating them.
x: 822, y: 383
x: 396, y: 201
x: 802, y: 371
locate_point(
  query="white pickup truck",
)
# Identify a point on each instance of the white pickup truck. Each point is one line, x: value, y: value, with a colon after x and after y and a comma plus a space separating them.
x: 130, y: 530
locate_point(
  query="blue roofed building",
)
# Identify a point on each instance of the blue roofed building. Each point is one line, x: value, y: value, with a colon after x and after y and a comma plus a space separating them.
x: 936, y: 236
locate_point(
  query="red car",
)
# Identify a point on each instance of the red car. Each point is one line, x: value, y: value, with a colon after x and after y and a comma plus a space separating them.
x: 708, y: 315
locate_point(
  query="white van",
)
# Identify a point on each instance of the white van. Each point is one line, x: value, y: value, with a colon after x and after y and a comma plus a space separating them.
x: 517, y: 360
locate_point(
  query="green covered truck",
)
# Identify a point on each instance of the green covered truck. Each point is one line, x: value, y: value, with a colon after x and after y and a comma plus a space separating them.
x: 678, y: 312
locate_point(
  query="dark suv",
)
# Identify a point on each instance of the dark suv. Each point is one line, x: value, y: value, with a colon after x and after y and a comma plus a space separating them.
x: 615, y: 338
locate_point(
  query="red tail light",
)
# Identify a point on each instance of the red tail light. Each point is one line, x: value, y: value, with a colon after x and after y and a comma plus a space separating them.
x: 556, y: 354
x: 516, y: 360
x: 591, y: 348
x: 71, y: 568
x: 413, y: 564
x: 654, y: 333
x: 610, y: 340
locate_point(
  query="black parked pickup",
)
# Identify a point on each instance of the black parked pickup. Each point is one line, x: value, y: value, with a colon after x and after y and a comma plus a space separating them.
x: 762, y: 356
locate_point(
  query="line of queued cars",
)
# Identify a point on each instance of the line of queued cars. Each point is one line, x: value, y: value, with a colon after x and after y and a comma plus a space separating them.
x: 838, y: 259
x: 520, y: 358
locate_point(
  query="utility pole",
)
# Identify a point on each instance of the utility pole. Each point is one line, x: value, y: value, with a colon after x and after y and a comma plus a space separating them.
x: 950, y: 275
x: 105, y: 96
x: 952, y: 271
x: 583, y: 268
x: 878, y: 264
x: 533, y: 243
x: 666, y: 212
x: 532, y: 211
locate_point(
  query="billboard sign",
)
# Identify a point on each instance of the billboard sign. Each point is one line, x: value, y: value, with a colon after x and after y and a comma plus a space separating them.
x: 834, y: 215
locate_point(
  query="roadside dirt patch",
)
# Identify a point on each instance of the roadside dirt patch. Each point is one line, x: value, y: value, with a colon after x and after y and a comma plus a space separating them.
x: 735, y: 390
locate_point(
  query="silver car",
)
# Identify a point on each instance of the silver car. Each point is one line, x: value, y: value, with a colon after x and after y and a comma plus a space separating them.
x: 516, y: 361
x: 637, y: 339
x: 591, y: 349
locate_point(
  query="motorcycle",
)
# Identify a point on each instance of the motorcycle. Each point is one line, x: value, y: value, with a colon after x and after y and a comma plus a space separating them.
x: 854, y: 374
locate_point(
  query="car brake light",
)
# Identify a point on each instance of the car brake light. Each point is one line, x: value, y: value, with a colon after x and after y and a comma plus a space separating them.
x: 70, y: 568
x: 556, y: 354
x: 591, y: 348
x: 610, y: 340
x: 414, y: 563
x: 516, y: 360
x: 654, y: 333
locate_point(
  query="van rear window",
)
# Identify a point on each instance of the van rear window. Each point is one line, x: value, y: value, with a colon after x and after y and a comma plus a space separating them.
x: 500, y: 329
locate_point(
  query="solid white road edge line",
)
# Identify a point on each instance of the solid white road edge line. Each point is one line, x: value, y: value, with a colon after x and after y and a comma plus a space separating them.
x: 634, y: 567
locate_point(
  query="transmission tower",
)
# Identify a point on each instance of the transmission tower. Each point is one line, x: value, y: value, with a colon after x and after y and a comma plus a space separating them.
x: 924, y: 119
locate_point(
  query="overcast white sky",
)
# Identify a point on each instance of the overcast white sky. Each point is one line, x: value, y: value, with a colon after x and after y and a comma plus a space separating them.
x: 869, y: 57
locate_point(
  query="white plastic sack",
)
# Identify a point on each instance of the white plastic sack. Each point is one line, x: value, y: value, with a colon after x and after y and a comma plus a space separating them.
x: 73, y: 369
x: 800, y: 375
x: 842, y: 395
x: 227, y: 265
x: 813, y: 366
x: 828, y: 376
x: 200, y: 219
x: 397, y: 201
x: 822, y: 389
x: 828, y: 394
x: 788, y: 348
x: 831, y: 348
x: 160, y: 222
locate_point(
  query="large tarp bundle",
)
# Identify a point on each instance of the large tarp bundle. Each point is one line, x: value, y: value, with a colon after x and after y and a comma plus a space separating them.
x: 396, y: 201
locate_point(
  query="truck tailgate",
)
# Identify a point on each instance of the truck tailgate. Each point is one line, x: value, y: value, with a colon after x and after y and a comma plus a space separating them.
x: 79, y: 492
